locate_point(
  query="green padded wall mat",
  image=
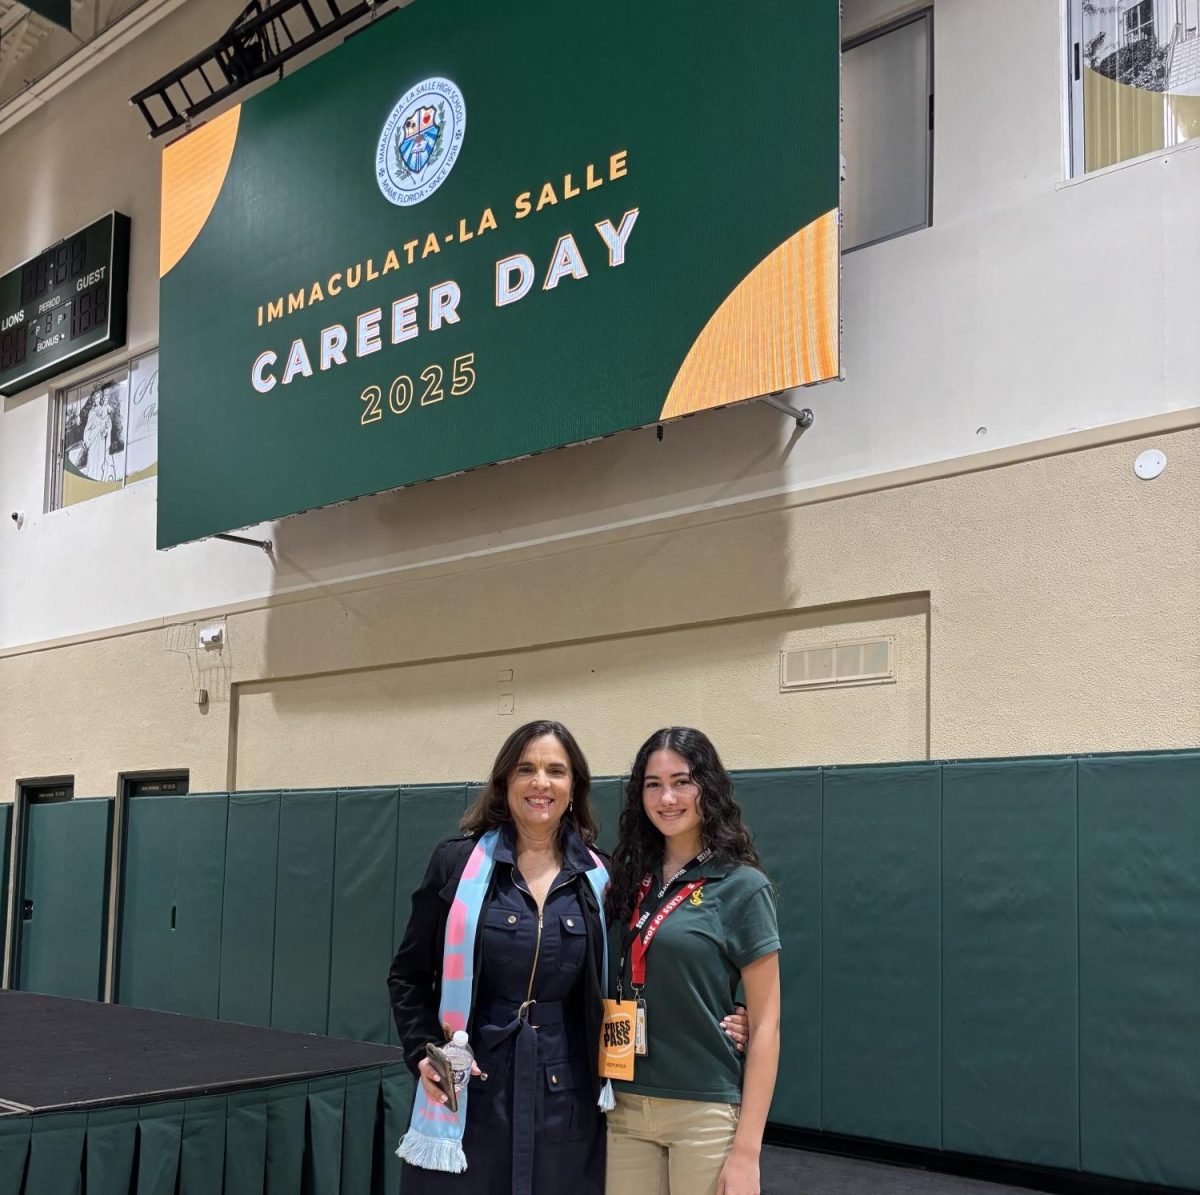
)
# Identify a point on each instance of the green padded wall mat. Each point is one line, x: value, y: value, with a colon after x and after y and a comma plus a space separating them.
x: 1139, y: 946
x: 145, y: 931
x: 61, y: 947
x: 199, y: 886
x: 364, y: 904
x: 427, y: 815
x: 991, y: 957
x: 783, y: 811
x: 1010, y: 984
x: 5, y: 848
x: 303, y: 912
x: 607, y: 795
x: 248, y: 904
x: 881, y: 869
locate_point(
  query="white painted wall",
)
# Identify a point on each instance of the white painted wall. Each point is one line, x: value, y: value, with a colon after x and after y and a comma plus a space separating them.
x: 1032, y: 309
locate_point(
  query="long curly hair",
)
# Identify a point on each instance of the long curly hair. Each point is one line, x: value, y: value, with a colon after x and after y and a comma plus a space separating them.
x: 490, y: 808
x: 640, y: 846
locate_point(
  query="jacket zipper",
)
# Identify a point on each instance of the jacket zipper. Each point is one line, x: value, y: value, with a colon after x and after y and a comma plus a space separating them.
x: 537, y: 950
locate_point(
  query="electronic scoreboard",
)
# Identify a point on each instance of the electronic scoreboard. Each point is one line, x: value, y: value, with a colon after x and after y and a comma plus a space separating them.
x: 64, y: 306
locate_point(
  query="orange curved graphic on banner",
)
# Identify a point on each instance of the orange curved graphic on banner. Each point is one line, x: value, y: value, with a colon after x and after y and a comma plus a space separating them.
x: 778, y: 329
x: 193, y: 172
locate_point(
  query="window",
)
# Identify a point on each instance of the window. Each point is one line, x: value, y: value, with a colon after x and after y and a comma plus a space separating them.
x: 105, y: 433
x: 1139, y: 22
x: 887, y: 131
x: 154, y: 784
x: 1134, y: 79
x: 47, y: 792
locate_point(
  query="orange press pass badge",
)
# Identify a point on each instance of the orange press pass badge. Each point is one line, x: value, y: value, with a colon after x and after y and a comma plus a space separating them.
x: 616, y: 1039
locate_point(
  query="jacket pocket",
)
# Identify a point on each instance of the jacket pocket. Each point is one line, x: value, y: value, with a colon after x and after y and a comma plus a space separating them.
x: 572, y: 942
x: 502, y: 937
x: 570, y: 1111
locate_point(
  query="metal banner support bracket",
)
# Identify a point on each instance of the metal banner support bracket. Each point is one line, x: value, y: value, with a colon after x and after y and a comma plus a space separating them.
x: 264, y: 544
x: 803, y: 416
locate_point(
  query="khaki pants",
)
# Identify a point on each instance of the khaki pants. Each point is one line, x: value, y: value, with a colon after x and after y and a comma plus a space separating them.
x: 667, y: 1147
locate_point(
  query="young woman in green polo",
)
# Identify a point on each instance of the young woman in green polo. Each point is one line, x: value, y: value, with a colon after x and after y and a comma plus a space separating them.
x: 692, y: 916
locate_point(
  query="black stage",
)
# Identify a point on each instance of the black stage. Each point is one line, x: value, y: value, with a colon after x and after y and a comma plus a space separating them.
x: 58, y: 1054
x: 99, y: 1099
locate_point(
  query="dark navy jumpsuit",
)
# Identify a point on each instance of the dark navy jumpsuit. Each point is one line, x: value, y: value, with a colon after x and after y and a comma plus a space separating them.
x: 533, y: 1127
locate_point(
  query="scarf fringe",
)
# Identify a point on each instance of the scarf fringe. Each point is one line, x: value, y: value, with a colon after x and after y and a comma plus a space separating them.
x: 432, y: 1153
x: 607, y: 1100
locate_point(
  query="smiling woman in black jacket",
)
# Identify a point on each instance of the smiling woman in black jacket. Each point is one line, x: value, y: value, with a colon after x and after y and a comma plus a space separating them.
x: 507, y: 937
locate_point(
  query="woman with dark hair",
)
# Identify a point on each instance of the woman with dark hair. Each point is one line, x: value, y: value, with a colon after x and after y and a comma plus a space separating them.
x: 692, y: 916
x: 506, y: 940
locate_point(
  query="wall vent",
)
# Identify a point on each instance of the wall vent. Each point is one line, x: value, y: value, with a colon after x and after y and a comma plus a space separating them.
x: 836, y: 665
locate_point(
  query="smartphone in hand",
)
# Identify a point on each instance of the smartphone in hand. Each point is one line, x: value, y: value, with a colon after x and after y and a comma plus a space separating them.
x: 445, y: 1074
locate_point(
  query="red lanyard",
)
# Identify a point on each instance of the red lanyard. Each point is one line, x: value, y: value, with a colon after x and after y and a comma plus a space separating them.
x: 641, y: 942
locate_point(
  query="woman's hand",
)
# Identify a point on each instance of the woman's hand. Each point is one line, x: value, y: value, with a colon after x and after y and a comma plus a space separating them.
x: 739, y: 1175
x: 737, y: 1027
x: 429, y: 1081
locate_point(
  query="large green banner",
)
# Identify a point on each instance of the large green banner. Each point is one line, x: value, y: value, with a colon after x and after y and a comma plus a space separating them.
x: 478, y: 231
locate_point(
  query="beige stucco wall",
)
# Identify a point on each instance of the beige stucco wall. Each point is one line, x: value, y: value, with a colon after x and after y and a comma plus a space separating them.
x: 1045, y: 606
x: 444, y: 719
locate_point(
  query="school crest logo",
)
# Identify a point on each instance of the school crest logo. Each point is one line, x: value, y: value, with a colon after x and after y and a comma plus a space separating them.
x: 420, y: 141
x: 697, y: 897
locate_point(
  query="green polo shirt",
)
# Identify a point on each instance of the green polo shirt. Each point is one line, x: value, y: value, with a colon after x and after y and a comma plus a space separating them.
x: 693, y: 968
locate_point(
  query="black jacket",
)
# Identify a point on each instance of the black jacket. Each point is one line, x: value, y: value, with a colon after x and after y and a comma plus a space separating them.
x: 414, y: 981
